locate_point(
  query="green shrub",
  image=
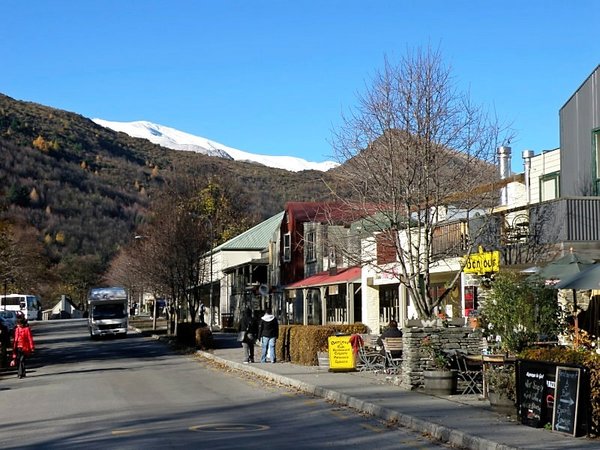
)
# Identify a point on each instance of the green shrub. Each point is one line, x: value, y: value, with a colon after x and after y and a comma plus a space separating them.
x: 204, y: 338
x: 194, y: 335
x: 521, y: 310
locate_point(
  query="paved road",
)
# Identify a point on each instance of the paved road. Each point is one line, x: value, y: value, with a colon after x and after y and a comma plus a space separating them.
x: 136, y: 393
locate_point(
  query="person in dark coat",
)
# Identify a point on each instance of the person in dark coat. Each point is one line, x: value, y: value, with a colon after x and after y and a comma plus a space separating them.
x: 249, y: 324
x: 268, y: 330
x: 4, y: 345
x: 391, y: 331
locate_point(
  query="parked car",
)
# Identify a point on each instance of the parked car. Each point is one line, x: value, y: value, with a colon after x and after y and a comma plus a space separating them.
x: 9, y: 319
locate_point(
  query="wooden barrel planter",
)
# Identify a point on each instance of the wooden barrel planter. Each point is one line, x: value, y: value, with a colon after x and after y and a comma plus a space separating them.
x: 440, y: 382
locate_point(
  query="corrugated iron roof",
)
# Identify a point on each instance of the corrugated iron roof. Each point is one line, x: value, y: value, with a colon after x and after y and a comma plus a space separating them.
x: 256, y: 238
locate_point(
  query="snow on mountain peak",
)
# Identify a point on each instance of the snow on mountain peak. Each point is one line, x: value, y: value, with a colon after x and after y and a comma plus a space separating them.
x: 179, y: 140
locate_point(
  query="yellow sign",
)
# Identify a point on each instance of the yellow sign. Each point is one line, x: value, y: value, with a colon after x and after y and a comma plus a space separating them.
x: 341, y: 356
x: 482, y: 262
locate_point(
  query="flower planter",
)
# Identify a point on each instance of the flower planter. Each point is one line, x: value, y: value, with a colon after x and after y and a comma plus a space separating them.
x: 439, y: 382
x: 501, y: 403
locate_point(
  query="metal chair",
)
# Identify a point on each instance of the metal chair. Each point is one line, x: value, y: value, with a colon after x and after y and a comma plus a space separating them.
x: 369, y: 360
x: 393, y: 354
x: 470, y: 371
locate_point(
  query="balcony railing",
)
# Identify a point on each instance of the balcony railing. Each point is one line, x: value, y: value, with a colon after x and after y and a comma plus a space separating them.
x: 570, y: 219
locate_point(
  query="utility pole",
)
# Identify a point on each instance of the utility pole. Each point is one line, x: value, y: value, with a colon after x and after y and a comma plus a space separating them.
x: 210, y: 287
x: 139, y: 238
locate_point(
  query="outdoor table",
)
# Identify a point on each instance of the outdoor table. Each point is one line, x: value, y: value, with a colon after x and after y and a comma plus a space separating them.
x: 491, y: 360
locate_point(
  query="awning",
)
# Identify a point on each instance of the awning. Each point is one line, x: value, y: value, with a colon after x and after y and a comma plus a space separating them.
x: 349, y: 275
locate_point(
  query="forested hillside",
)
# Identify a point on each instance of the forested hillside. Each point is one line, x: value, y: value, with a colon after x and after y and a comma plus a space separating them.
x: 82, y: 189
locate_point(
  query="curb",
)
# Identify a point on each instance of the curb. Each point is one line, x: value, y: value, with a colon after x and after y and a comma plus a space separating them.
x: 439, y: 432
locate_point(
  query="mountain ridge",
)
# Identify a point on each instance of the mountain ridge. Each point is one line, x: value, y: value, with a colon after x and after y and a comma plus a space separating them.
x: 80, y: 190
x: 180, y: 140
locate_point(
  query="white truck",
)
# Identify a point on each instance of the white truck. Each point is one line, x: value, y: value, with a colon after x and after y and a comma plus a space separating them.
x: 107, y: 312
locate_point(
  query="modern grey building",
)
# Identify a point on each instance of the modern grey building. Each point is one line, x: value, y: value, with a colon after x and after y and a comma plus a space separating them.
x: 580, y: 140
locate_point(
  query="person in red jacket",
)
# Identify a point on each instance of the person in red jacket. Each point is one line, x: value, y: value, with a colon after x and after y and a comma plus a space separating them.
x: 23, y: 346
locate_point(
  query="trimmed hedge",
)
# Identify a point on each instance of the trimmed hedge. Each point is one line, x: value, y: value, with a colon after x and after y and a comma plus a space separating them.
x: 588, y: 359
x: 195, y: 335
x: 299, y: 344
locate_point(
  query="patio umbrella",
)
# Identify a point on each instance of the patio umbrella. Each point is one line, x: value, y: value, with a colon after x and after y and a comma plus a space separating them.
x: 586, y: 279
x: 589, y: 278
x: 567, y: 266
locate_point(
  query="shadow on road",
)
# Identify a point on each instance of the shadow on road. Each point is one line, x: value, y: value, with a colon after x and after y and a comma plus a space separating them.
x: 68, y: 342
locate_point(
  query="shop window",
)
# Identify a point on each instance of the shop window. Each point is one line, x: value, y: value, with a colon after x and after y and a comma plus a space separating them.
x: 336, y: 304
x: 437, y: 290
x: 471, y: 302
x: 389, y: 304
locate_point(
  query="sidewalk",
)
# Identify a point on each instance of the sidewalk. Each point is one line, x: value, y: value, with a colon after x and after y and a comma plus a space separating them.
x: 462, y: 420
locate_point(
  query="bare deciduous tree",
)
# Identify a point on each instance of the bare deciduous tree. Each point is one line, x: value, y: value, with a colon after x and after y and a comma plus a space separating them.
x: 415, y: 149
x: 169, y: 259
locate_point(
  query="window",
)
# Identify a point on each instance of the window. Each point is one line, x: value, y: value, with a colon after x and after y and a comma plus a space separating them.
x: 332, y: 257
x: 11, y: 301
x: 389, y: 304
x: 549, y: 185
x: 310, y: 246
x: 287, y: 247
x: 111, y: 311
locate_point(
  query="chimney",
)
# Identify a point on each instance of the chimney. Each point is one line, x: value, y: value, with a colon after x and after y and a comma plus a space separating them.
x: 505, y: 172
x: 527, y: 155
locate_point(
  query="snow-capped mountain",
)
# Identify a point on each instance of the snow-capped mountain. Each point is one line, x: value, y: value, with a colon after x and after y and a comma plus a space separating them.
x: 179, y: 140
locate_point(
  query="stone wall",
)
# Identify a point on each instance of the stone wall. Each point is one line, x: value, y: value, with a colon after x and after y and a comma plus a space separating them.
x: 414, y: 360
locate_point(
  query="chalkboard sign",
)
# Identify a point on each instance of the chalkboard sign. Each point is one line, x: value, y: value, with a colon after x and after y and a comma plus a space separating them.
x: 532, y: 397
x: 535, y: 392
x: 566, y: 400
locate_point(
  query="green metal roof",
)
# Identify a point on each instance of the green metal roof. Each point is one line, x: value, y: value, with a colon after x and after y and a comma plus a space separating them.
x: 256, y: 238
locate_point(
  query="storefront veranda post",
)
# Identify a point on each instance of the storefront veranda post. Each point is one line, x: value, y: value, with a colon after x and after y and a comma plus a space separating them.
x: 325, y: 298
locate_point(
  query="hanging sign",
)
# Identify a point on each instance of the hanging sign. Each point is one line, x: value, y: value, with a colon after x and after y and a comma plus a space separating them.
x: 482, y: 262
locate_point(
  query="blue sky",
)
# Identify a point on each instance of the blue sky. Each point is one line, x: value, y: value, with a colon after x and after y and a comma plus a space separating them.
x: 274, y: 77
